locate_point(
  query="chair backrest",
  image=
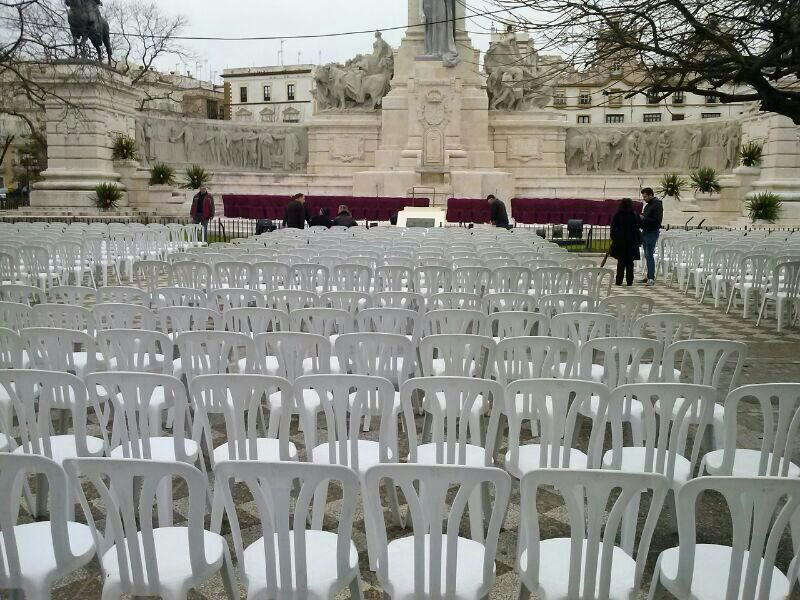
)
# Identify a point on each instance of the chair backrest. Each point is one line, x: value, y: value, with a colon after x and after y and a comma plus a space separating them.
x: 15, y: 315
x: 761, y: 512
x: 73, y: 294
x: 511, y: 279
x: 508, y: 301
x: 291, y: 300
x: 123, y: 295
x: 345, y: 401
x: 556, y: 304
x: 593, y: 281
x: 228, y: 298
x: 232, y: 274
x: 22, y: 294
x: 400, y: 321
x: 140, y: 350
x: 242, y: 400
x: 60, y: 349
x: 786, y: 279
x: 552, y: 406
x: 429, y: 280
x: 471, y: 280
x: 455, y: 300
x: 393, y: 278
x: 123, y: 316
x: 214, y: 352
x: 431, y: 507
x: 151, y: 274
x: 295, y: 354
x: 442, y: 322
x: 351, y: 301
x: 670, y: 412
x: 551, y: 280
x: 380, y: 354
x: 252, y: 320
x: 704, y: 362
x: 352, y: 277
x: 137, y: 400
x: 11, y: 347
x: 399, y: 299
x: 780, y: 415
x: 63, y: 316
x: 309, y: 276
x: 516, y: 323
x: 326, y: 322
x: 35, y: 397
x: 269, y: 275
x: 14, y: 470
x: 581, y: 327
x: 533, y: 357
x: 459, y: 355
x: 284, y: 517
x: 179, y: 296
x: 127, y: 510
x: 667, y: 328
x: 192, y: 274
x: 620, y: 358
x: 628, y: 309
x: 179, y: 319
x: 593, y: 527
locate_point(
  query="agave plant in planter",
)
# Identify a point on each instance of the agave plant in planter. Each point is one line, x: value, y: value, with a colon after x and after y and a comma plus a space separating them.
x: 162, y: 174
x: 751, y: 154
x: 107, y: 196
x: 124, y: 148
x: 765, y: 206
x: 704, y: 181
x: 671, y: 186
x: 196, y: 177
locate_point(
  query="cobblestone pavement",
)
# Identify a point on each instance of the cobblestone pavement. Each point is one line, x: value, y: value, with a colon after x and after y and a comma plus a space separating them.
x: 772, y: 358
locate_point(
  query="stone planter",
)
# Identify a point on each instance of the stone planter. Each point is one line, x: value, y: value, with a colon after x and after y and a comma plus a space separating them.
x: 704, y: 197
x: 747, y: 171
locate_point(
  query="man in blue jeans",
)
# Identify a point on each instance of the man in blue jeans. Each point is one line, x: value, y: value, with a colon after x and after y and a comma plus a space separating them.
x: 652, y: 216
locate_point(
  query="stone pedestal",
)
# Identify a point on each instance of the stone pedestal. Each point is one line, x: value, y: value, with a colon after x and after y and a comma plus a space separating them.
x: 343, y: 142
x: 88, y: 104
x: 781, y: 162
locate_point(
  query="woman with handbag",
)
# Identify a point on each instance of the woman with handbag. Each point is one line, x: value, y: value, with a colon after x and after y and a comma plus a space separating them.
x: 625, y: 240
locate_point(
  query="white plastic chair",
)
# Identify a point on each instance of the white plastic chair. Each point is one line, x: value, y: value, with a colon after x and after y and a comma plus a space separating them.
x: 39, y: 265
x: 579, y: 328
x: 174, y: 320
x: 588, y: 563
x: 429, y: 280
x: 63, y: 316
x: 192, y: 274
x: 152, y: 274
x: 551, y: 280
x: 784, y: 291
x: 290, y: 560
x: 516, y: 323
x: 453, y: 321
x: 455, y: 300
x: 269, y: 275
x: 432, y: 563
x: 399, y: 321
x: 214, y: 353
x: 399, y: 299
x: 460, y: 355
x: 253, y: 321
x: 123, y: 295
x: 22, y: 294
x: 533, y: 358
x: 721, y: 274
x: 350, y: 277
x: 141, y: 556
x: 140, y: 350
x: 667, y: 328
x: 471, y: 280
x: 385, y: 355
x: 593, y: 281
x: 556, y: 304
x: 761, y: 509
x: 351, y: 301
x: 752, y: 280
x: 778, y: 439
x: 39, y: 553
x: 16, y: 316
x: 123, y: 316
x: 509, y: 301
x: 64, y: 350
x: 229, y: 298
x: 393, y: 278
x: 291, y: 300
x: 73, y: 294
x: 327, y: 322
x: 178, y: 296
x: 511, y: 279
x: 628, y: 309
x: 232, y: 274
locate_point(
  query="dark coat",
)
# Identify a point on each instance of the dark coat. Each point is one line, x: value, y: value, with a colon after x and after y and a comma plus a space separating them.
x: 296, y: 215
x: 498, y: 214
x: 625, y: 237
x: 321, y: 221
x: 344, y: 219
x: 652, y: 216
x: 208, y: 206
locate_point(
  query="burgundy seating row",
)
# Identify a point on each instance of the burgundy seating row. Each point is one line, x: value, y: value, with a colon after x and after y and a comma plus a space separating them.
x: 468, y: 210
x: 561, y: 210
x: 272, y: 207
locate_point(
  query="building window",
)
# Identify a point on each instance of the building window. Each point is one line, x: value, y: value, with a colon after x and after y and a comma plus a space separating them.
x: 290, y: 91
x: 212, y: 109
x: 652, y: 117
x: 560, y: 97
x: 243, y: 95
x: 584, y: 119
x: 291, y: 115
x: 711, y: 115
x: 585, y: 98
x: 615, y: 118
x: 267, y: 93
x: 616, y: 67
x: 615, y: 98
x: 711, y: 99
x: 679, y: 98
x: 676, y: 117
x: 653, y: 97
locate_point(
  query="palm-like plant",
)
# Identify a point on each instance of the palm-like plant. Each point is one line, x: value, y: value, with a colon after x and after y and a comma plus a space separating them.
x: 765, y: 206
x: 672, y: 184
x: 162, y: 174
x: 751, y: 154
x: 704, y: 180
x: 196, y: 177
x: 107, y: 196
x: 124, y: 148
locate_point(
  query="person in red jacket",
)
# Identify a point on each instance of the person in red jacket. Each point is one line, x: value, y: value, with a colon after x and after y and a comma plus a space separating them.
x: 203, y: 210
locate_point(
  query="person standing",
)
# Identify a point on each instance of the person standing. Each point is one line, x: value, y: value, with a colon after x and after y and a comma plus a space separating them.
x: 296, y: 214
x: 203, y: 210
x: 652, y: 217
x: 498, y: 214
x: 625, y: 240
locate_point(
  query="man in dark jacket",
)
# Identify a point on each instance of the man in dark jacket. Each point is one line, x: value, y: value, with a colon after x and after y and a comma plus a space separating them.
x: 296, y: 214
x: 652, y: 217
x: 203, y: 210
x: 344, y: 218
x: 498, y: 214
x: 323, y: 219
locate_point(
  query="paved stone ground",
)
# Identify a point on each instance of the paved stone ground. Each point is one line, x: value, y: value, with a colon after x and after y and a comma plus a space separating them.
x: 772, y: 358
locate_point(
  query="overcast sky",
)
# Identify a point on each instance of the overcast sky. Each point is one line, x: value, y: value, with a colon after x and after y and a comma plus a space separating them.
x: 248, y: 18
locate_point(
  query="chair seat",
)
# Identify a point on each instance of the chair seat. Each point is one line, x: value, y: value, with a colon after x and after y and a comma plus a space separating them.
x: 271, y: 366
x: 711, y: 558
x: 308, y: 366
x: 530, y: 455
x: 633, y: 461
x: 554, y: 571
x: 64, y: 446
x: 172, y: 557
x: 322, y: 575
x: 37, y: 559
x: 161, y: 449
x: 597, y: 373
x: 645, y: 371
x: 267, y: 450
x: 81, y: 359
x: 157, y: 365
x: 745, y: 463
x: 439, y: 368
x: 475, y: 456
x: 469, y: 569
x: 368, y: 454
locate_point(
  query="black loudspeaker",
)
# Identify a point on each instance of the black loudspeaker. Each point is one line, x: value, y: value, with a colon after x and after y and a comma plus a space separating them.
x: 558, y: 232
x: 541, y: 232
x: 264, y: 226
x: 575, y: 228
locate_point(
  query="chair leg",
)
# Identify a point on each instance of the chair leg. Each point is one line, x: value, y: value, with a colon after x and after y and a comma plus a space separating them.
x: 654, y: 584
x: 761, y: 312
x: 629, y: 521
x: 355, y: 588
x: 524, y: 593
x: 229, y: 577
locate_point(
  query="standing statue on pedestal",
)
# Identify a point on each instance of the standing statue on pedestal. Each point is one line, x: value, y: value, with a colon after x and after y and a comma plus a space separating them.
x: 440, y: 30
x: 86, y: 23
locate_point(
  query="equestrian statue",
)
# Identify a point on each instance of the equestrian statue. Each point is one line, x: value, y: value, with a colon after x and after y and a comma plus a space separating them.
x: 86, y: 23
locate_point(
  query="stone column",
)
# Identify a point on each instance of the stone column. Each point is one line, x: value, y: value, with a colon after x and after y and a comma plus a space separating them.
x: 88, y: 104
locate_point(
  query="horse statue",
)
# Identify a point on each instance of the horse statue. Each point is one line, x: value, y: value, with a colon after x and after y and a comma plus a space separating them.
x: 86, y: 23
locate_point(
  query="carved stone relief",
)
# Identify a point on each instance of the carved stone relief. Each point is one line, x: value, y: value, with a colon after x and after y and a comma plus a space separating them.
x: 347, y: 149
x: 524, y: 149
x: 653, y: 148
x: 258, y: 146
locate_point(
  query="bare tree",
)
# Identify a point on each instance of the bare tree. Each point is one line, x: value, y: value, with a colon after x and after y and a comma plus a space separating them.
x: 731, y: 50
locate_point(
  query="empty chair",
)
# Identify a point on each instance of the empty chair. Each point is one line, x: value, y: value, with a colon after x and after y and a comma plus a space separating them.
x: 453, y: 321
x: 152, y: 274
x: 455, y: 300
x: 555, y: 304
x: 533, y: 358
x: 228, y: 298
x: 432, y: 563
x: 350, y: 277
x: 752, y: 280
x: 289, y: 559
x: 16, y: 316
x: 593, y: 281
x: 77, y: 295
x: 351, y: 301
x: 290, y: 300
x: 399, y: 299
x: 214, y: 353
x: 65, y: 350
x: 784, y: 291
x: 509, y: 301
x: 429, y: 280
x: 327, y: 322
x: 269, y: 276
x: 394, y: 278
x: 38, y: 553
x: 628, y: 309
x: 123, y: 316
x: 178, y: 296
x: 510, y: 279
x: 253, y: 320
x: 123, y: 295
x: 174, y: 320
x: 582, y: 327
x: 551, y: 280
x: 460, y: 355
x: 667, y: 328
x: 588, y: 563
x: 139, y: 350
x: 140, y: 555
x: 471, y: 280
x: 22, y: 294
x: 778, y: 440
x: 192, y: 274
x: 385, y: 355
x: 501, y: 325
x: 760, y: 509
x: 63, y: 316
x: 400, y: 321
x: 38, y: 265
x: 232, y: 274
x: 721, y: 274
